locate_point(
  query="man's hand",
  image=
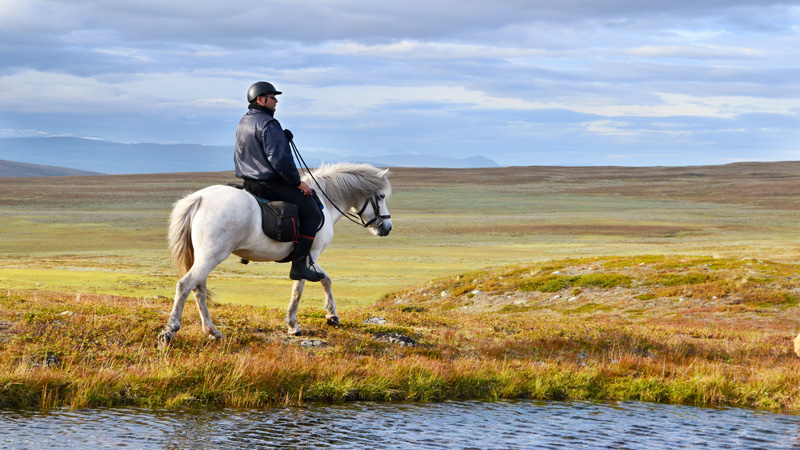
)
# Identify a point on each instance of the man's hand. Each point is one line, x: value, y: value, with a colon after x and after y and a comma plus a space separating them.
x: 288, y: 134
x: 305, y: 188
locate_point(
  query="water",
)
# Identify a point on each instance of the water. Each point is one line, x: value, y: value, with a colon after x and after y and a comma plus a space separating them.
x: 450, y: 425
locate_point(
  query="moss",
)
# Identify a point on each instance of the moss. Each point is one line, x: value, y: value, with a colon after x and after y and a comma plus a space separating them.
x: 587, y: 308
x: 556, y: 283
x: 678, y: 279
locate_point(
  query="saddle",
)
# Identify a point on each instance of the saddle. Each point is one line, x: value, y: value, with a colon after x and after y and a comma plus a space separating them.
x: 279, y: 220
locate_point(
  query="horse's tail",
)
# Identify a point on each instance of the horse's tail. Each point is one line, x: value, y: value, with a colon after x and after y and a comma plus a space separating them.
x: 180, y: 233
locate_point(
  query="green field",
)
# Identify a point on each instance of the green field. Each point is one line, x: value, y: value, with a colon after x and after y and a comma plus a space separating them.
x: 106, y: 234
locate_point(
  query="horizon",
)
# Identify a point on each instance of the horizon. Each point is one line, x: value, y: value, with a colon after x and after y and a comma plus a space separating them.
x: 591, y: 83
x: 5, y: 165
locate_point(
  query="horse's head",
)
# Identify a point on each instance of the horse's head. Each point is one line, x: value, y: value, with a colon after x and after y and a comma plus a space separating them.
x: 375, y: 215
x: 360, y: 190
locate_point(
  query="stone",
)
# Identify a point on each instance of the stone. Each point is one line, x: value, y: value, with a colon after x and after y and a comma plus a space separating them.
x: 309, y: 343
x: 375, y: 320
x: 395, y: 338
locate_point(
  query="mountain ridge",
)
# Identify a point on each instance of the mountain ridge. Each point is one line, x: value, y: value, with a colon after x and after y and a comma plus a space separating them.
x: 116, y: 158
x: 10, y: 169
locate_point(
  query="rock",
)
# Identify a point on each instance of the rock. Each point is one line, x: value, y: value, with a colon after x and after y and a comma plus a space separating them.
x: 443, y: 294
x: 395, y: 338
x: 375, y: 320
x: 308, y: 343
x: 477, y: 291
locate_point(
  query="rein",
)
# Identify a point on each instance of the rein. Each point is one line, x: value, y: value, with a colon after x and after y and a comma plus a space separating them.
x: 351, y: 217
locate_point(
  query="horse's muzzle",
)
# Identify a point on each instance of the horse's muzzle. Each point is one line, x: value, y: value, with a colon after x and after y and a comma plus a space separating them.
x: 383, y: 228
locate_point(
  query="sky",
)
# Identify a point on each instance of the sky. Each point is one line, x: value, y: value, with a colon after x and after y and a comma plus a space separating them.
x: 522, y: 82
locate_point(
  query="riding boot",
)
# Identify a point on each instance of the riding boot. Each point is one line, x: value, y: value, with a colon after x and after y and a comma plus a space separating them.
x: 300, y: 267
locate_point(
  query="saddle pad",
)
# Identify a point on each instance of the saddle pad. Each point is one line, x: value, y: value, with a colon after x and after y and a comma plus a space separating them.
x: 279, y: 220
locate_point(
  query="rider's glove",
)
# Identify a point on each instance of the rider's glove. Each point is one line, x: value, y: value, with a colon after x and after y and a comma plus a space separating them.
x: 288, y: 134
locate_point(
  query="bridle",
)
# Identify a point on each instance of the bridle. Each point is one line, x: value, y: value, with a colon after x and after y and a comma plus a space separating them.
x: 374, y: 200
x: 376, y: 208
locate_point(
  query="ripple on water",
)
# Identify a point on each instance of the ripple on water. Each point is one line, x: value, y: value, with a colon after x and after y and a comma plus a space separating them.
x: 449, y: 425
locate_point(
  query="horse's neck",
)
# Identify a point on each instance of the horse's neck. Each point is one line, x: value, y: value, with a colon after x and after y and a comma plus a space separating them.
x: 335, y: 210
x: 336, y: 215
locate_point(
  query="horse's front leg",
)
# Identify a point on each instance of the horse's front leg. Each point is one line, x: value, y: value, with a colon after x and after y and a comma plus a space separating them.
x: 200, y: 297
x: 294, y: 303
x: 330, y: 305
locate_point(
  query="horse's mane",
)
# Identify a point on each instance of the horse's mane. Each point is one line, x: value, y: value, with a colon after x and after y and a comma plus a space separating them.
x: 348, y: 183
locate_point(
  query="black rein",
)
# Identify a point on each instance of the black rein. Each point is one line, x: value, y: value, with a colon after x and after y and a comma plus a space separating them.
x: 374, y: 201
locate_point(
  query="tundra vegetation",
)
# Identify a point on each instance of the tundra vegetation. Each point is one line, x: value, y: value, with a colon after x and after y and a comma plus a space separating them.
x: 657, y: 284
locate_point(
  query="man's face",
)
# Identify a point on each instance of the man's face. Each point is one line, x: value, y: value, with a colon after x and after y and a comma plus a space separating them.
x: 268, y: 101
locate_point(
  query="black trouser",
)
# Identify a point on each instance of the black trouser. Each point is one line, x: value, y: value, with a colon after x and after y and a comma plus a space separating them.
x: 307, y: 208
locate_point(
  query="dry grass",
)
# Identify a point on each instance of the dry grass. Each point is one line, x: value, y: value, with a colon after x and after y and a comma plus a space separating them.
x: 482, y: 335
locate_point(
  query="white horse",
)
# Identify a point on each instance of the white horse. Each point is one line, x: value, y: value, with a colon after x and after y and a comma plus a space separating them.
x: 210, y: 224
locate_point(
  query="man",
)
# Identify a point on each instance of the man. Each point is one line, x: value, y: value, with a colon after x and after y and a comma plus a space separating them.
x: 264, y: 160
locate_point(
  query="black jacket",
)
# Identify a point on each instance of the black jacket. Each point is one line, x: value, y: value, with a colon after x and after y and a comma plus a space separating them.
x: 262, y: 149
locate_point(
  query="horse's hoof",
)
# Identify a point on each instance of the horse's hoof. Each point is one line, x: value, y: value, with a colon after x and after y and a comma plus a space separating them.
x: 296, y: 333
x: 164, y: 338
x: 334, y: 321
x: 213, y: 333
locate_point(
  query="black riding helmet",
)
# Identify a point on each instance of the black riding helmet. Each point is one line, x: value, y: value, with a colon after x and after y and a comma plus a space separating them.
x: 261, y: 88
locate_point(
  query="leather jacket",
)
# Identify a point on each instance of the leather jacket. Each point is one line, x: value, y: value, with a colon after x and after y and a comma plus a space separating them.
x: 262, y: 149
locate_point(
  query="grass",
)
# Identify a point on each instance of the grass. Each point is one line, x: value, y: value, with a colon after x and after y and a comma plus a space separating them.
x: 110, y: 228
x: 548, y: 283
x: 77, y: 351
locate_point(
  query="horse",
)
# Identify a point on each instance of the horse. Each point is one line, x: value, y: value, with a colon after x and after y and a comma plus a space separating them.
x: 209, y: 225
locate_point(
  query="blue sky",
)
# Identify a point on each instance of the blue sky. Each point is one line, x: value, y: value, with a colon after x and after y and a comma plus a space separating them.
x: 572, y: 82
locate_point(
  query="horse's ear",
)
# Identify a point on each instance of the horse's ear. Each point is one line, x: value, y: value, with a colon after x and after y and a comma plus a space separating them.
x: 384, y: 173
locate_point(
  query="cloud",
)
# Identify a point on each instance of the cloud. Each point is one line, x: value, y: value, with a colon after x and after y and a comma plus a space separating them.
x: 693, y: 51
x: 509, y: 78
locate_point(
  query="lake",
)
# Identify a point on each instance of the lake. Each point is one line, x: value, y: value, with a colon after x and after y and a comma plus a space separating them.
x: 450, y: 425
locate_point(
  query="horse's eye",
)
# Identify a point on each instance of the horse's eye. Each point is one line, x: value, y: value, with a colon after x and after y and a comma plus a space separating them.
x: 382, y: 196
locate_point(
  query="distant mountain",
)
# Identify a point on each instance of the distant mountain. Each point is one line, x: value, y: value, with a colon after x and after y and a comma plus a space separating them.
x: 17, y: 169
x: 116, y: 158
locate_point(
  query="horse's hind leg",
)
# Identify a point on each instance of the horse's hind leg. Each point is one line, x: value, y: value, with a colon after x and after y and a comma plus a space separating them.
x: 330, y: 305
x: 182, y: 290
x: 194, y: 280
x: 200, y: 297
